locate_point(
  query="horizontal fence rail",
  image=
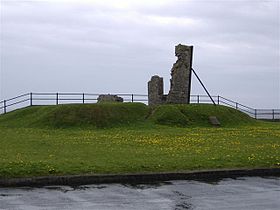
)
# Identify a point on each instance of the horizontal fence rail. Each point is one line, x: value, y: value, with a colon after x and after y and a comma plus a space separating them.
x: 30, y: 99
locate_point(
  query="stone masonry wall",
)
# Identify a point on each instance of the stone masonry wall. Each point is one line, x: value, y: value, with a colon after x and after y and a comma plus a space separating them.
x: 180, y: 82
x: 155, y: 90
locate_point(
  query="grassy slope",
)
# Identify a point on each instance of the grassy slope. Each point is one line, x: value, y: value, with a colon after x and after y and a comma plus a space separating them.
x: 108, y: 115
x: 68, y: 139
x: 76, y: 115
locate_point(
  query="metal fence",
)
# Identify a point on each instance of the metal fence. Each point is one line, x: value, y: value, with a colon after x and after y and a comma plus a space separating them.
x: 30, y: 99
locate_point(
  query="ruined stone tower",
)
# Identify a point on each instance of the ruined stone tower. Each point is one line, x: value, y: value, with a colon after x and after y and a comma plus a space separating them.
x: 180, y: 83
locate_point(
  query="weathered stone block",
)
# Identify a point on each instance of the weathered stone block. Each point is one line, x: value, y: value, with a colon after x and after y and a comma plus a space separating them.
x: 155, y: 90
x: 214, y: 121
x: 109, y: 98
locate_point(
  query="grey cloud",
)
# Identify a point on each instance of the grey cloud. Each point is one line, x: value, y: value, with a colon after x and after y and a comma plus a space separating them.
x: 76, y: 47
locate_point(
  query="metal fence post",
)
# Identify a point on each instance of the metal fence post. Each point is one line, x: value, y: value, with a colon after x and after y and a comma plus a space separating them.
x: 83, y: 98
x: 272, y: 114
x: 218, y: 99
x: 198, y: 99
x: 5, y: 106
x: 236, y: 105
x: 31, y: 99
x: 132, y: 98
x: 56, y: 98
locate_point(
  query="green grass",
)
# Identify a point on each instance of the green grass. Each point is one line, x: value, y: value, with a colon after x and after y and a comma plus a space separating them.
x: 98, y: 115
x: 131, y: 137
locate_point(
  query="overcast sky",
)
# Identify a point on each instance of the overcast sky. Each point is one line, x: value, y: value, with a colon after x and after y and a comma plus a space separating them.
x: 113, y: 46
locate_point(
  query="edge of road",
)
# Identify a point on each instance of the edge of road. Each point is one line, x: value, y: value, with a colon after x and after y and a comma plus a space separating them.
x: 75, y: 180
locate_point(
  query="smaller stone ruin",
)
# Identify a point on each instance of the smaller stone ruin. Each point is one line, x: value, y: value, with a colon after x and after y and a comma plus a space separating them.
x: 155, y: 89
x: 109, y: 98
x: 180, y: 83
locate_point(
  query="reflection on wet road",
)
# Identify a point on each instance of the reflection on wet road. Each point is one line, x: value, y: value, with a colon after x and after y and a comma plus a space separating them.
x: 242, y: 193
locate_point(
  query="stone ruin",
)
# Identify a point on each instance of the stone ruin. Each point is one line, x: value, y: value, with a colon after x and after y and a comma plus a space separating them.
x: 180, y: 83
x: 109, y: 98
x: 155, y: 90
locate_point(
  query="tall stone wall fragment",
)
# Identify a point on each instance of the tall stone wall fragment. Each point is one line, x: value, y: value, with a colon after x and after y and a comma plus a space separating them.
x: 155, y: 90
x: 180, y: 83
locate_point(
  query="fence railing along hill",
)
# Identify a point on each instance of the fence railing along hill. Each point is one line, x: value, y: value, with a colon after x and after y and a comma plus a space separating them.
x: 31, y: 99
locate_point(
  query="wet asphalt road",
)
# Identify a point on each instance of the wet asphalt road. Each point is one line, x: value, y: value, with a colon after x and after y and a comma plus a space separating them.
x: 242, y: 193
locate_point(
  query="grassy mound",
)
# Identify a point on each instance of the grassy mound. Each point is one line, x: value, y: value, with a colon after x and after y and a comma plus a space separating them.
x: 76, y: 115
x: 122, y: 114
x: 169, y: 115
x: 198, y: 115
